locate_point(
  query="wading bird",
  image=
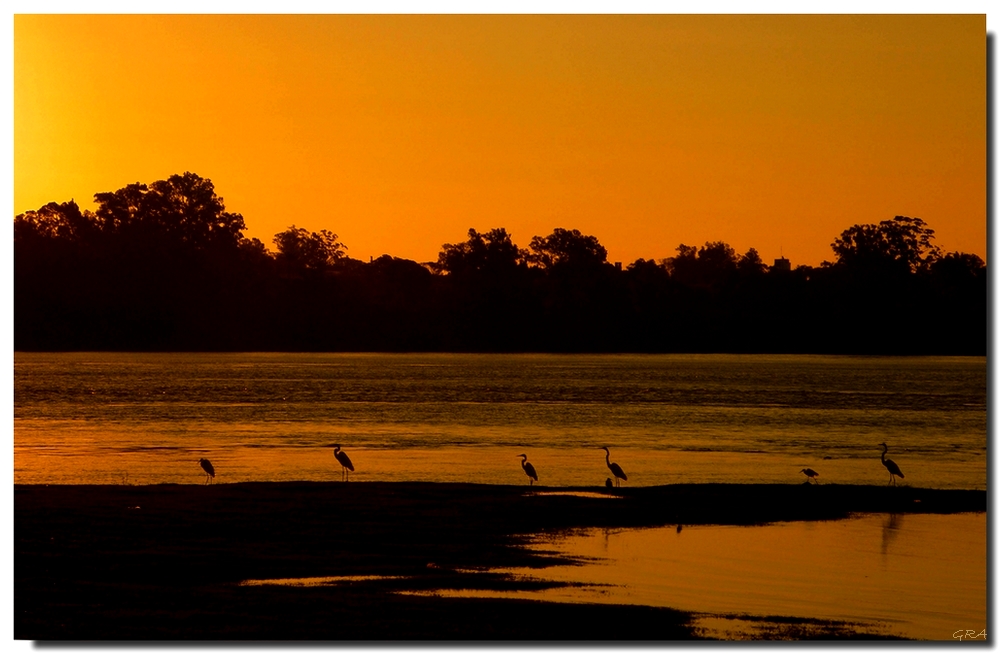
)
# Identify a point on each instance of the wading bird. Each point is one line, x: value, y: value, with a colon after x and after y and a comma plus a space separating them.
x: 528, y: 469
x: 345, y: 462
x: 891, y: 466
x: 809, y: 472
x: 206, y: 465
x: 615, y: 469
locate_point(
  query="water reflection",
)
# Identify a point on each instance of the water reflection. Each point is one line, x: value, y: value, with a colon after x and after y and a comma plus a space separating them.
x: 305, y: 582
x: 920, y: 578
x: 891, y: 524
x: 594, y: 495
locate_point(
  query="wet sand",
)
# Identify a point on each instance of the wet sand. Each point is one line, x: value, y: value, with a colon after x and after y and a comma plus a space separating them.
x: 166, y: 561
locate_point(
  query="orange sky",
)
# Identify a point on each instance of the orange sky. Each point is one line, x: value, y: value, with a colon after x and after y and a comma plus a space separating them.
x: 400, y: 132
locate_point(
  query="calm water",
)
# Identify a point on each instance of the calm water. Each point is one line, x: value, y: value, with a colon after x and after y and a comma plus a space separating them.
x: 915, y: 576
x: 95, y: 418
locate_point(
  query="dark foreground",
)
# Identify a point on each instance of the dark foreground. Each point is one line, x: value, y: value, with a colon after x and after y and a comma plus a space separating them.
x: 164, y: 562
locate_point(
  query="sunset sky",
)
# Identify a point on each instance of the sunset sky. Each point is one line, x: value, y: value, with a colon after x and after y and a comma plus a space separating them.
x: 399, y: 133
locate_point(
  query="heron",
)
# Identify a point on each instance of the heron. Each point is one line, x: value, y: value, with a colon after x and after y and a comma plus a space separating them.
x: 528, y: 469
x: 345, y: 462
x: 206, y: 465
x: 891, y: 466
x: 615, y: 469
x: 812, y: 474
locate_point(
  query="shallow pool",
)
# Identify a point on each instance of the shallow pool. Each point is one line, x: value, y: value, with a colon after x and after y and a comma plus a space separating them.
x: 917, y: 576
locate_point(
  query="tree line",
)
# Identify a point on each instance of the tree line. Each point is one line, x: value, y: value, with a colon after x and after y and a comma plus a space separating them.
x: 165, y: 267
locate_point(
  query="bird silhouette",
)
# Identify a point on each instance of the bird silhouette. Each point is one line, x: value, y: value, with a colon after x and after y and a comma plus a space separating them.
x: 891, y: 466
x: 345, y: 462
x: 528, y: 469
x: 206, y: 465
x: 615, y: 469
x: 812, y: 474
x: 608, y: 483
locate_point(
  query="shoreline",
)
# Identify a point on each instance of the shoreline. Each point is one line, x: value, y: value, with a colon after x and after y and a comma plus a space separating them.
x: 165, y: 561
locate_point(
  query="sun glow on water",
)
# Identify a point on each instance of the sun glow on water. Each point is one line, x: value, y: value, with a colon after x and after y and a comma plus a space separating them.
x: 140, y: 419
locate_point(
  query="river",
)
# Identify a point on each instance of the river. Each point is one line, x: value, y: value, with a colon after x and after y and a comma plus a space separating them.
x: 147, y: 418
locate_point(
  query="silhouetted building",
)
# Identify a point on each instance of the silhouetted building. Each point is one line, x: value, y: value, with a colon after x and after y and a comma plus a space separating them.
x: 782, y: 264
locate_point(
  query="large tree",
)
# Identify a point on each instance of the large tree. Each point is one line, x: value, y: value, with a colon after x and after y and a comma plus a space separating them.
x: 902, y: 244
x: 492, y: 252
x: 709, y: 265
x: 300, y: 250
x: 566, y: 248
x: 63, y: 222
x: 181, y: 209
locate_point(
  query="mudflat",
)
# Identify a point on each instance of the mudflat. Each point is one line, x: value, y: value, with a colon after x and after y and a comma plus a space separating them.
x: 166, y: 562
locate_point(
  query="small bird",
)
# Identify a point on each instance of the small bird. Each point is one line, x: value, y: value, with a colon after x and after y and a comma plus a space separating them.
x: 345, y: 462
x: 528, y: 469
x: 615, y: 469
x: 812, y: 474
x: 206, y: 465
x: 891, y: 466
x: 608, y: 483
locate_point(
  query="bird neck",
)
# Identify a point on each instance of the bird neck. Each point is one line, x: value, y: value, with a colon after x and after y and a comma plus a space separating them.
x: 884, y: 450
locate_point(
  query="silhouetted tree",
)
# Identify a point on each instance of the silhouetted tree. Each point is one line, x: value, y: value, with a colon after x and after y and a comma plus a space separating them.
x: 55, y: 221
x: 487, y: 292
x: 647, y: 268
x: 709, y: 266
x: 957, y: 268
x: 183, y: 209
x: 166, y: 267
x: 564, y: 247
x: 581, y: 297
x: 717, y: 260
x: 751, y: 263
x: 903, y: 244
x: 254, y: 251
x: 300, y: 250
x: 683, y: 267
x: 493, y: 253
